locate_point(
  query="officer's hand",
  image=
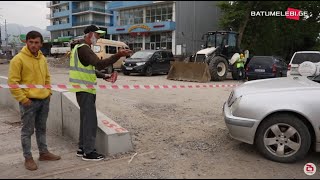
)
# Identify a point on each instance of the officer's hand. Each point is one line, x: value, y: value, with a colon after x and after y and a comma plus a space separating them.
x: 124, y: 52
x: 111, y: 78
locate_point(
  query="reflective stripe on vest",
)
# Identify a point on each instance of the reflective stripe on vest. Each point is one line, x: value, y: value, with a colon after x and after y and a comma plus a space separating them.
x: 80, y: 74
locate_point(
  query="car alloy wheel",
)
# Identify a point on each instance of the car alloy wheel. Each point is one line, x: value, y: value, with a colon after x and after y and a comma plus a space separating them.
x: 282, y: 140
x: 283, y: 137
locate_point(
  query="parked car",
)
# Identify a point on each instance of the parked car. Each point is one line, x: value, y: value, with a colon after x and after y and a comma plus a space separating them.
x: 300, y: 57
x: 261, y: 67
x: 280, y: 116
x: 148, y: 62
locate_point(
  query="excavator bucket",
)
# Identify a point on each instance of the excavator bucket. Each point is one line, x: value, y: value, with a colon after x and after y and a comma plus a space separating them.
x: 189, y: 71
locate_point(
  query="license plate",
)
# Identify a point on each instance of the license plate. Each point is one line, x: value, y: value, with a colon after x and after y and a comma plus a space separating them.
x: 129, y: 68
x: 260, y: 70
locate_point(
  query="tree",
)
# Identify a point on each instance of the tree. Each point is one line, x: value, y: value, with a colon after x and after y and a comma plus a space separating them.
x: 272, y: 35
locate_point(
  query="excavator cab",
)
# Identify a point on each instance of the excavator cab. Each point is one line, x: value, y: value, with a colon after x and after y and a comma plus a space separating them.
x: 225, y: 42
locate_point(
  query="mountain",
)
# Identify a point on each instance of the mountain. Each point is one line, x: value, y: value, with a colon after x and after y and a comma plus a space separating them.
x: 17, y: 29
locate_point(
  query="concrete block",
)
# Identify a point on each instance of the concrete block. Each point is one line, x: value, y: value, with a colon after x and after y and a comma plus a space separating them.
x: 71, y: 116
x: 55, y: 118
x: 6, y: 99
x: 111, y: 137
x: 64, y: 119
x: 116, y: 138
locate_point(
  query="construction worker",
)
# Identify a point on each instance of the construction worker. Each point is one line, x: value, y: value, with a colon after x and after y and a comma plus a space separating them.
x: 240, y: 67
x: 83, y: 63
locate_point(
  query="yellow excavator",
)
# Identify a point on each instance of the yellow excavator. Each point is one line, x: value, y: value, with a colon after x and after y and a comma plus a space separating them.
x: 213, y: 62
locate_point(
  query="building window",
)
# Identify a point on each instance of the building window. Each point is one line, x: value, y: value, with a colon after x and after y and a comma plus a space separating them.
x: 131, y: 16
x: 79, y: 31
x: 134, y: 42
x: 159, y: 41
x: 159, y: 13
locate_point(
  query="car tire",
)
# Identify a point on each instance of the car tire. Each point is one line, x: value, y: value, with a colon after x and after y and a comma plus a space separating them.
x: 217, y: 65
x: 148, y: 71
x: 297, y: 145
x: 126, y: 73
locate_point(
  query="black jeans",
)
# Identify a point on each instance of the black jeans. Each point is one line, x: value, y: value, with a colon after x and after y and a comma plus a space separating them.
x: 88, y: 121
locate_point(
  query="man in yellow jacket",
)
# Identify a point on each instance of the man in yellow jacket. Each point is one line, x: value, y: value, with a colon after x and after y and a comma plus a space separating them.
x: 30, y: 67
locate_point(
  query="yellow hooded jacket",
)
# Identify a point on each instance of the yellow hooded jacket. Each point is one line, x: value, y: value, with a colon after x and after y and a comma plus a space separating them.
x: 25, y: 68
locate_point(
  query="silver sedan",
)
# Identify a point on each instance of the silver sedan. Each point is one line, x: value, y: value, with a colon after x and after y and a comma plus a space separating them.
x: 280, y: 116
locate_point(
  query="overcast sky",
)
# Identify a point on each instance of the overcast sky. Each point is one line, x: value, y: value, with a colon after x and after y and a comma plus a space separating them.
x: 26, y: 13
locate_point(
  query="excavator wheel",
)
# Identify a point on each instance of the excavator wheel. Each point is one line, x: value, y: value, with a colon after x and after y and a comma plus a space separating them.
x: 218, y: 67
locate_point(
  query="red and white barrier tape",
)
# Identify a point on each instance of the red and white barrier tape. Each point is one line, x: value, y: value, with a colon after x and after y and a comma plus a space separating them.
x: 63, y: 86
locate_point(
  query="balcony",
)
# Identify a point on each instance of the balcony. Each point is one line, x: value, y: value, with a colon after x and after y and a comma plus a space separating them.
x: 56, y: 3
x: 90, y: 9
x: 58, y: 27
x: 58, y: 14
x: 84, y: 23
x: 125, y: 4
x: 61, y: 13
x: 49, y: 16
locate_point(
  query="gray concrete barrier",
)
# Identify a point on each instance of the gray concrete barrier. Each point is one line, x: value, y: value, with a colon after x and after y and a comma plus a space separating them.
x: 64, y: 119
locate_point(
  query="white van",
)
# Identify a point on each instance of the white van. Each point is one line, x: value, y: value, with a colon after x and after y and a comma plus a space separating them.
x: 60, y: 50
x: 300, y: 57
x: 105, y: 48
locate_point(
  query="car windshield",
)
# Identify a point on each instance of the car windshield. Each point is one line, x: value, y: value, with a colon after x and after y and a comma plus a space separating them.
x: 261, y: 61
x: 302, y: 57
x: 142, y: 55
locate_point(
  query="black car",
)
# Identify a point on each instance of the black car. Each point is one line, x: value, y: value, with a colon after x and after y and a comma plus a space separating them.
x: 261, y: 67
x: 148, y: 62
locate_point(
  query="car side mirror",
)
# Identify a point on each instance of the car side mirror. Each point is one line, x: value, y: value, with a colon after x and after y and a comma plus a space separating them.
x: 157, y: 58
x: 203, y: 46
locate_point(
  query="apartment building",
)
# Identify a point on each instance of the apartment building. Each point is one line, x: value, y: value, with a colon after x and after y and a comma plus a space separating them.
x: 69, y: 18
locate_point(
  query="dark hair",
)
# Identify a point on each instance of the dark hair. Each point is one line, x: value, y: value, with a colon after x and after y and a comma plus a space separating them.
x: 33, y: 35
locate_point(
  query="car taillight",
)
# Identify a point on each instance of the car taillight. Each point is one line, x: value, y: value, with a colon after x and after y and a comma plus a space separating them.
x: 289, y: 67
x: 247, y: 69
x: 274, y: 68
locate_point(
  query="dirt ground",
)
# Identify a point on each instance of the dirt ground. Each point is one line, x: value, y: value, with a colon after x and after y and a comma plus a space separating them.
x: 177, y: 133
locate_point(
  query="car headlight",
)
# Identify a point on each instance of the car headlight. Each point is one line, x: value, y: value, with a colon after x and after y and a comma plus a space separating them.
x: 140, y: 63
x: 235, y: 101
x: 235, y: 104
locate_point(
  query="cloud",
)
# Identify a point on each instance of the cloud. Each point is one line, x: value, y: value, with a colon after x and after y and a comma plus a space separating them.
x: 27, y: 13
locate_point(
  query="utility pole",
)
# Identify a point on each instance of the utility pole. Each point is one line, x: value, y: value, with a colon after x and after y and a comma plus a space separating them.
x: 0, y: 34
x: 0, y: 37
x: 194, y: 27
x: 6, y: 34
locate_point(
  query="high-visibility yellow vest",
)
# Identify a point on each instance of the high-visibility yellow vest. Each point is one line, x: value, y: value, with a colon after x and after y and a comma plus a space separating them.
x: 80, y: 74
x: 240, y: 63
